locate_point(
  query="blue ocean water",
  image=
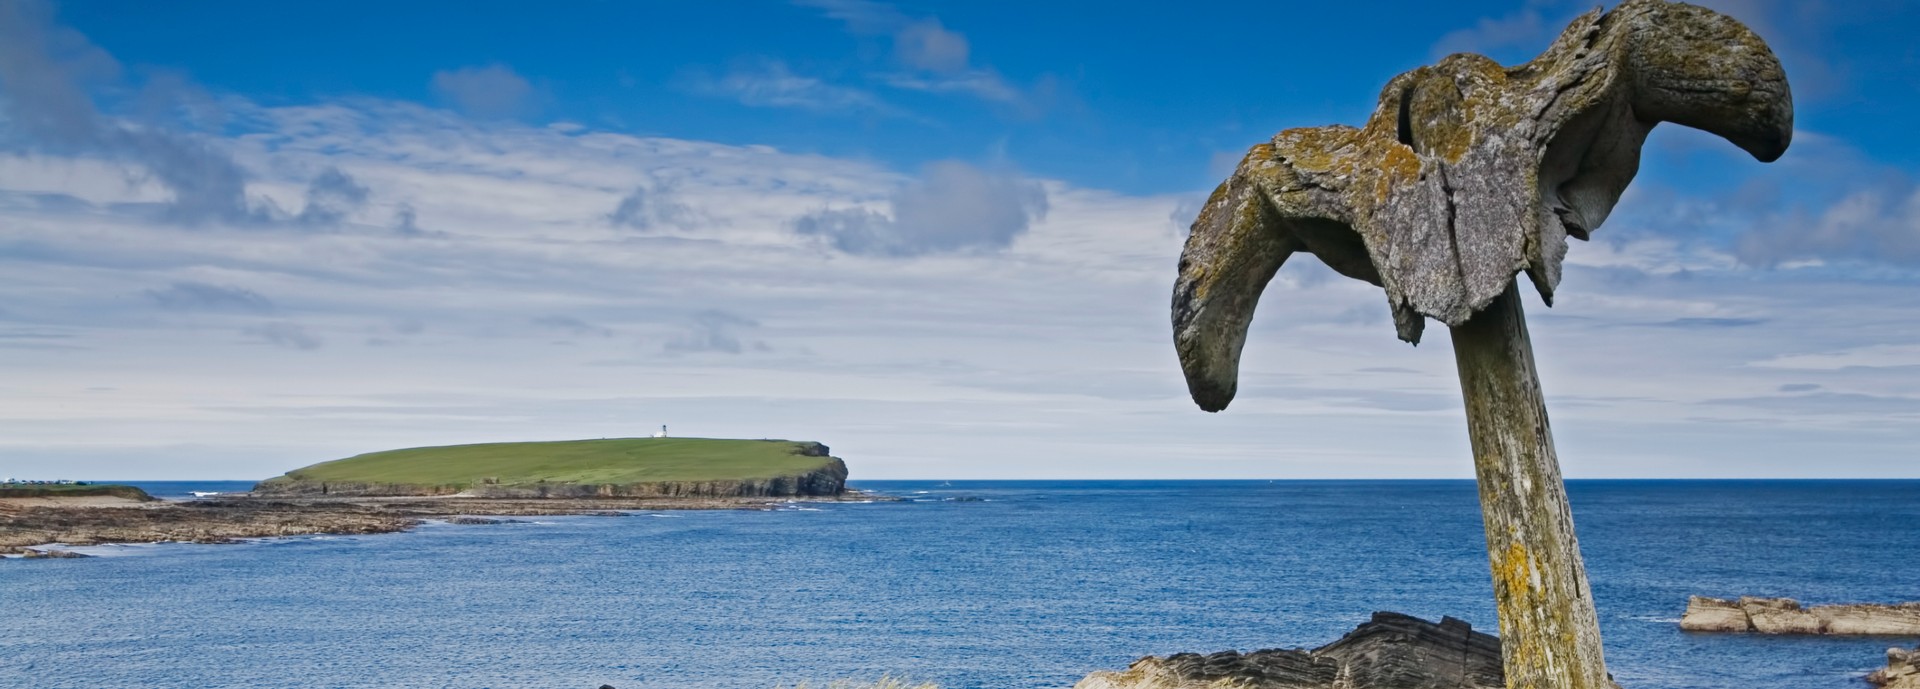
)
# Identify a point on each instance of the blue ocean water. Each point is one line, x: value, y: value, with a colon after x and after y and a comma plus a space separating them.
x: 188, y: 490
x: 1006, y: 585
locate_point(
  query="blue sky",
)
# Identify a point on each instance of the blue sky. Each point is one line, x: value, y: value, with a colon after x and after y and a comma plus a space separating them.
x: 242, y: 237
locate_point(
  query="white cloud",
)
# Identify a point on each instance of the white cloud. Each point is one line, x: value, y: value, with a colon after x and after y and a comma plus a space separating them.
x: 1873, y: 356
x: 771, y: 84
x: 952, y: 207
x: 484, y: 91
x: 45, y: 73
x: 199, y: 296
x: 925, y: 44
x: 1054, y: 337
x: 284, y: 334
x: 1525, y: 28
x: 1873, y: 224
x: 935, y: 59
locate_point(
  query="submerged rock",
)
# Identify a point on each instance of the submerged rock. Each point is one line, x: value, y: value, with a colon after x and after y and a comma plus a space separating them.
x: 1902, y: 670
x: 1787, y: 616
x: 53, y: 554
x: 1393, y: 651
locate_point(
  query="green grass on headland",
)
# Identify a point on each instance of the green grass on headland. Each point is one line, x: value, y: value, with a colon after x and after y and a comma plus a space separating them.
x: 608, y: 461
x: 71, y: 490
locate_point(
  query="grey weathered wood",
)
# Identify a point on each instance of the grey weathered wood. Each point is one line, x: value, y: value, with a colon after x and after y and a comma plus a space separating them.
x: 1550, y: 635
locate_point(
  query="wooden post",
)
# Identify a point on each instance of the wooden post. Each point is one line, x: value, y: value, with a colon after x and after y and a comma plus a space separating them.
x: 1550, y: 636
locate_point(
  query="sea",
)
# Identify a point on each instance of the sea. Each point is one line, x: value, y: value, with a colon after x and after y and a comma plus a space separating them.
x: 1003, y: 585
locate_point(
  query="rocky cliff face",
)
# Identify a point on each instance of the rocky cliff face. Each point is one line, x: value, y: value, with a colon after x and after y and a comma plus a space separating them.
x: 828, y: 480
x: 1786, y: 616
x: 1902, y: 670
x: 1392, y: 651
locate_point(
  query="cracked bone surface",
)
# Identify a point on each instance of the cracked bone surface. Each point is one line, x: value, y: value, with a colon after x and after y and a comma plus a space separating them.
x: 1468, y: 172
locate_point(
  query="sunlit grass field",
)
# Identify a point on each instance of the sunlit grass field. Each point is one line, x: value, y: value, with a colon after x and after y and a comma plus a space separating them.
x: 607, y: 461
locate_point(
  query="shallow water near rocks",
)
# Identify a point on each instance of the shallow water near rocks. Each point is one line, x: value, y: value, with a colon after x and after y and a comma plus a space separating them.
x: 971, y: 584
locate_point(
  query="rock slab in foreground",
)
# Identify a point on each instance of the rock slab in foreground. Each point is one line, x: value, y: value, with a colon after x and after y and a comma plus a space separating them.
x: 1902, y: 670
x: 1787, y: 616
x: 1393, y: 651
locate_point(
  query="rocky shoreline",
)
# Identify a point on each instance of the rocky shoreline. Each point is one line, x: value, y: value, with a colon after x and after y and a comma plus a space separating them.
x: 1787, y: 616
x: 1391, y: 651
x: 1902, y: 670
x: 25, y: 530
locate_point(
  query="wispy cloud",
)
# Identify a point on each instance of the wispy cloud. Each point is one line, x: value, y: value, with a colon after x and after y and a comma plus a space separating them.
x: 652, y: 208
x: 45, y: 70
x: 330, y: 198
x: 715, y: 331
x: 949, y: 303
x: 493, y: 90
x: 1873, y: 356
x: 932, y: 58
x: 1526, y: 29
x: 1876, y: 224
x: 952, y: 207
x: 980, y: 84
x: 572, y: 326
x: 771, y: 84
x: 285, y: 334
x: 200, y: 296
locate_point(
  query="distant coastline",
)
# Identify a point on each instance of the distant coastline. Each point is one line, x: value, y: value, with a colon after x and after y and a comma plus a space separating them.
x: 398, y: 490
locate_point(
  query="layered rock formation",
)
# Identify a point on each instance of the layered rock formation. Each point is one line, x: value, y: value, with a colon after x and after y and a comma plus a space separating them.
x: 1902, y: 670
x: 1393, y: 651
x: 828, y: 480
x: 200, y: 521
x: 1787, y: 616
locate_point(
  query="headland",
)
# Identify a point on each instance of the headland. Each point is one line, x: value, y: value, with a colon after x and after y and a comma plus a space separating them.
x: 396, y: 490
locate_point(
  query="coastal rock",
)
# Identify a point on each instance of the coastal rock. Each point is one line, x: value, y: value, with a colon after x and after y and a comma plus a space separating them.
x: 1392, y: 651
x: 1902, y: 670
x: 1714, y: 615
x: 481, y: 521
x: 1787, y: 616
x: 32, y: 554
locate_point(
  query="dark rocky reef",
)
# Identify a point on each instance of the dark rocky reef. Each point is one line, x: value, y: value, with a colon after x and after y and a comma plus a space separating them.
x: 1787, y: 616
x: 1393, y: 651
x: 199, y: 521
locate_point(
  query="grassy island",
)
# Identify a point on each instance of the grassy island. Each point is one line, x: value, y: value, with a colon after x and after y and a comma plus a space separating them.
x: 574, y: 468
x: 73, y: 490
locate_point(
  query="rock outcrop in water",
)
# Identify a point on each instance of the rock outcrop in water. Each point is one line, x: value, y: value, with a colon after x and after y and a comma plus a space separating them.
x: 1393, y: 651
x: 1787, y: 616
x: 1902, y: 670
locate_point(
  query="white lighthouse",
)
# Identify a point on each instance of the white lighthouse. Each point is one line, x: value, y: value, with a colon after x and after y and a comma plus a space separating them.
x: 662, y: 433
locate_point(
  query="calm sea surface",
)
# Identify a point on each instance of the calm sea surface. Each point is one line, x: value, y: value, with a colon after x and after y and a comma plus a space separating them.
x: 977, y: 584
